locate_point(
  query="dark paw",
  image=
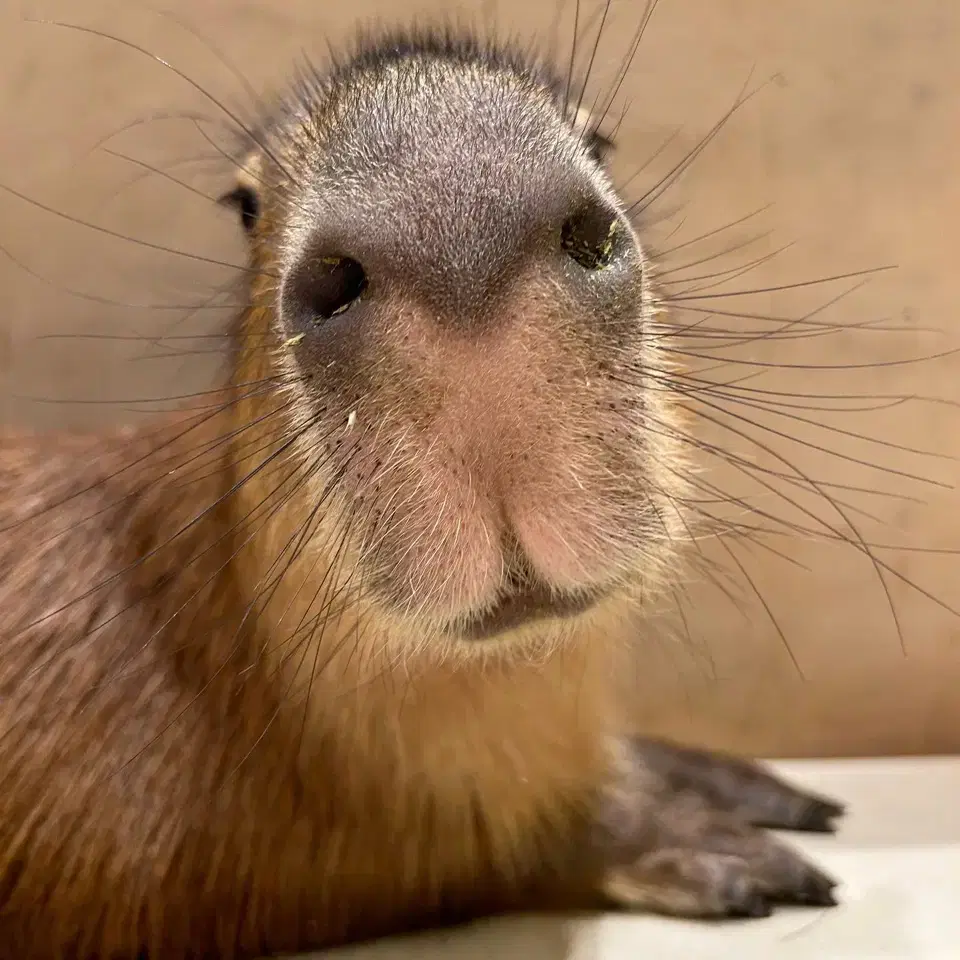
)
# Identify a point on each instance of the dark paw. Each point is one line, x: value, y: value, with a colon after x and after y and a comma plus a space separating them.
x: 751, y: 899
x: 741, y: 787
x: 746, y: 880
x: 817, y: 816
x: 816, y: 891
x: 683, y: 834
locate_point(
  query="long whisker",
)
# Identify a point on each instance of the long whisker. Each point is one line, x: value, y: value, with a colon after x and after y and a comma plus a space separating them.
x: 179, y: 73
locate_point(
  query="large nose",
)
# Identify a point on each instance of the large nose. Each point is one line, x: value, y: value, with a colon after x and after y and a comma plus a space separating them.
x: 453, y: 262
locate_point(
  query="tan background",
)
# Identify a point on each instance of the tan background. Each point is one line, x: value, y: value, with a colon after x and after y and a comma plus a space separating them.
x: 853, y: 143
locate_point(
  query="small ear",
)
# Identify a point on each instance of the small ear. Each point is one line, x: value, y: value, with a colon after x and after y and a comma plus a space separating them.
x: 245, y: 196
x: 600, y: 146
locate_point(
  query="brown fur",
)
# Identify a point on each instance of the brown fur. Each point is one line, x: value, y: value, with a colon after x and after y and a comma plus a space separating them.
x: 139, y: 806
x: 234, y: 715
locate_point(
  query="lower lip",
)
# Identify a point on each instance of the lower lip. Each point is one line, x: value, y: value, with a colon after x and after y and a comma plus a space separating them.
x: 522, y: 610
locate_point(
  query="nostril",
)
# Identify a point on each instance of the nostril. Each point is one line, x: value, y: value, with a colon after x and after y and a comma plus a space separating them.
x: 324, y: 287
x: 593, y: 238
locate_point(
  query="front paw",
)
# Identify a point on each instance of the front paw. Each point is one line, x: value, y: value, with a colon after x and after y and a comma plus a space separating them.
x: 741, y: 787
x: 722, y: 868
x: 682, y: 836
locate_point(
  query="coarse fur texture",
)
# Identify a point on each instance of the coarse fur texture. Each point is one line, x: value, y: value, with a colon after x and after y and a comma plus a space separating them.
x: 327, y: 656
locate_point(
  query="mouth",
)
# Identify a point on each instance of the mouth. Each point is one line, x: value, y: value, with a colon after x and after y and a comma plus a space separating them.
x: 524, y: 607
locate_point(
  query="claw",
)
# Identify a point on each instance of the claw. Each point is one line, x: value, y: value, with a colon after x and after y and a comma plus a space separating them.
x: 819, y: 816
x: 754, y: 906
x: 817, y: 891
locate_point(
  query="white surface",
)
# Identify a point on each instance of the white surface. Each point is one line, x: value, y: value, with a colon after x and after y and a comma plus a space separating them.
x: 897, y: 858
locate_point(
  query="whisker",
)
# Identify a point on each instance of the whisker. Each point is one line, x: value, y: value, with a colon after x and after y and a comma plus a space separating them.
x: 116, y: 235
x: 675, y: 298
x: 670, y: 251
x: 231, y: 115
x: 593, y: 57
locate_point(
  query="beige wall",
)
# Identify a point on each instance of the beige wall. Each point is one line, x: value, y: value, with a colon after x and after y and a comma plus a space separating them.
x: 854, y: 143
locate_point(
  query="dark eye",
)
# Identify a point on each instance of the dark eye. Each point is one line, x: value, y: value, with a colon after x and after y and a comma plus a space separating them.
x: 592, y: 239
x: 247, y: 203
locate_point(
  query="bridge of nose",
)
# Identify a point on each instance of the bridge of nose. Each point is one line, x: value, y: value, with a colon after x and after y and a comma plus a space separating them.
x: 453, y: 237
x: 447, y: 197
